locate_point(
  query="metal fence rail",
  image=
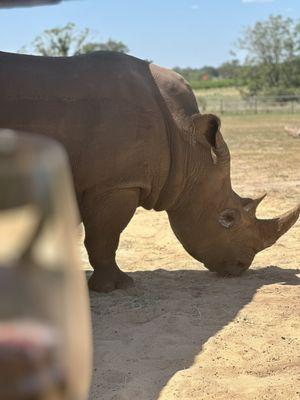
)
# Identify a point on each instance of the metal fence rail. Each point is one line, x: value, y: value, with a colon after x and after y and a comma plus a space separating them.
x: 251, y: 105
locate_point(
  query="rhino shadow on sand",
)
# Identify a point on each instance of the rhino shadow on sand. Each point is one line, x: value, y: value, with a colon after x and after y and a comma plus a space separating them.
x: 138, y: 333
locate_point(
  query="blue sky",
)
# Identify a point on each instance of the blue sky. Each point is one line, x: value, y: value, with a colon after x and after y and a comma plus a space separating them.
x: 169, y: 32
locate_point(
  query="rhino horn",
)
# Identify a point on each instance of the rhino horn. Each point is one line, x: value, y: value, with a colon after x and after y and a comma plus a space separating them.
x: 271, y: 230
x: 250, y: 205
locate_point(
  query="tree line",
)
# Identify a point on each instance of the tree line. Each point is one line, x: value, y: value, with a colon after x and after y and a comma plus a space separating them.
x: 68, y: 40
x: 271, y: 66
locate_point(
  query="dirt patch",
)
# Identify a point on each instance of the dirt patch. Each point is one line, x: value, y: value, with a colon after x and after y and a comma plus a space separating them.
x: 184, y: 333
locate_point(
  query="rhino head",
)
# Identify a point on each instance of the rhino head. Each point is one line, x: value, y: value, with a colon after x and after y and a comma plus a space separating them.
x: 214, y: 224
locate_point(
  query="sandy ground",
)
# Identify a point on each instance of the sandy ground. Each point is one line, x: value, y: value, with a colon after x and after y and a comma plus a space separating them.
x: 182, y: 332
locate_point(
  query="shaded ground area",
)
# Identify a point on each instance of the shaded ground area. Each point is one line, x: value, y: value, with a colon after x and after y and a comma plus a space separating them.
x: 184, y: 333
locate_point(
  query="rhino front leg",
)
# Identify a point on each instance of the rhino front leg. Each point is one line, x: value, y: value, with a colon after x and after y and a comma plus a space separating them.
x: 104, y: 216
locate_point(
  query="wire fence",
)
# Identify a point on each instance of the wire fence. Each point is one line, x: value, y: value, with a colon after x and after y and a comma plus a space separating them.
x: 251, y: 105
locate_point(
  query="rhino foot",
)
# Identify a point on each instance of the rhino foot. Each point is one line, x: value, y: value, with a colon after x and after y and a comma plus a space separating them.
x: 107, y: 283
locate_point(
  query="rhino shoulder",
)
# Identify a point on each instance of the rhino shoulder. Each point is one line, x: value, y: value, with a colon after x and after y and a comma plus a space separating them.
x: 176, y: 93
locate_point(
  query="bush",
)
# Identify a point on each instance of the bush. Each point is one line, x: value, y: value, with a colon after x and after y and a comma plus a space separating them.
x: 212, y: 84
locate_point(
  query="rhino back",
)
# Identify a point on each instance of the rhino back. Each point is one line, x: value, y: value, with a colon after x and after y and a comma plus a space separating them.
x: 103, y: 107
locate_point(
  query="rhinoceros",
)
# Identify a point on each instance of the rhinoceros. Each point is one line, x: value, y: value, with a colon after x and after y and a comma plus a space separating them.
x: 135, y: 137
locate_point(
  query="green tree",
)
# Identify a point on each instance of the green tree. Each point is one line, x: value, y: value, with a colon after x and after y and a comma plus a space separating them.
x: 197, y: 74
x: 110, y: 45
x: 272, y: 56
x: 229, y: 69
x: 68, y: 40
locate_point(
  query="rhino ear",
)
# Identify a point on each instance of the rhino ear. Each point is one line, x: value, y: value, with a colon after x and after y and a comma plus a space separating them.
x: 207, y: 130
x: 206, y: 127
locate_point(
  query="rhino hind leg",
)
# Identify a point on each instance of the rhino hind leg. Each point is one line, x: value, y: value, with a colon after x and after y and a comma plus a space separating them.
x: 105, y: 216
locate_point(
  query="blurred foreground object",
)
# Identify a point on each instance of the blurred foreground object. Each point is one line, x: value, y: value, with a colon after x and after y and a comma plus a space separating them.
x: 24, y: 3
x: 45, y: 336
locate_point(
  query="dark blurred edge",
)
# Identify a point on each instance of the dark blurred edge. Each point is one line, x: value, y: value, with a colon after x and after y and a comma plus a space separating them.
x: 24, y: 3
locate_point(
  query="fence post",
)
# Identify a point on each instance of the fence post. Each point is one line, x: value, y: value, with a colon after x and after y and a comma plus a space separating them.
x: 255, y: 105
x: 292, y: 107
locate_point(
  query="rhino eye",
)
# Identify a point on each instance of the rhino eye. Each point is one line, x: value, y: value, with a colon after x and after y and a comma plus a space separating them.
x: 229, y: 218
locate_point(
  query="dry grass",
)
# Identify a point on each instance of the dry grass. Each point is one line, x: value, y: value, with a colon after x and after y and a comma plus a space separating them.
x: 231, y: 92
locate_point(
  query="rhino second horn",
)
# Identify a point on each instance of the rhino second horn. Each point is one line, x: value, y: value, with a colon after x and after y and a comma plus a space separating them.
x: 250, y: 205
x: 271, y: 230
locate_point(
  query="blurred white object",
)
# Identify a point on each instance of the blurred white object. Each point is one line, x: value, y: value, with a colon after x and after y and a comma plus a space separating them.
x: 45, y: 329
x: 293, y: 131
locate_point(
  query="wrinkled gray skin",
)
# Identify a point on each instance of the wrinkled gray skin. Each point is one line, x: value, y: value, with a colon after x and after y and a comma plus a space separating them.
x: 135, y: 137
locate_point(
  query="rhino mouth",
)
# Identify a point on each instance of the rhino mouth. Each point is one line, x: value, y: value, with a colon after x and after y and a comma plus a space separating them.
x: 228, y: 269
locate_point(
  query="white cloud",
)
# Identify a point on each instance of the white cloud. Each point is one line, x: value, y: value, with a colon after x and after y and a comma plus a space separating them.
x: 258, y: 1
